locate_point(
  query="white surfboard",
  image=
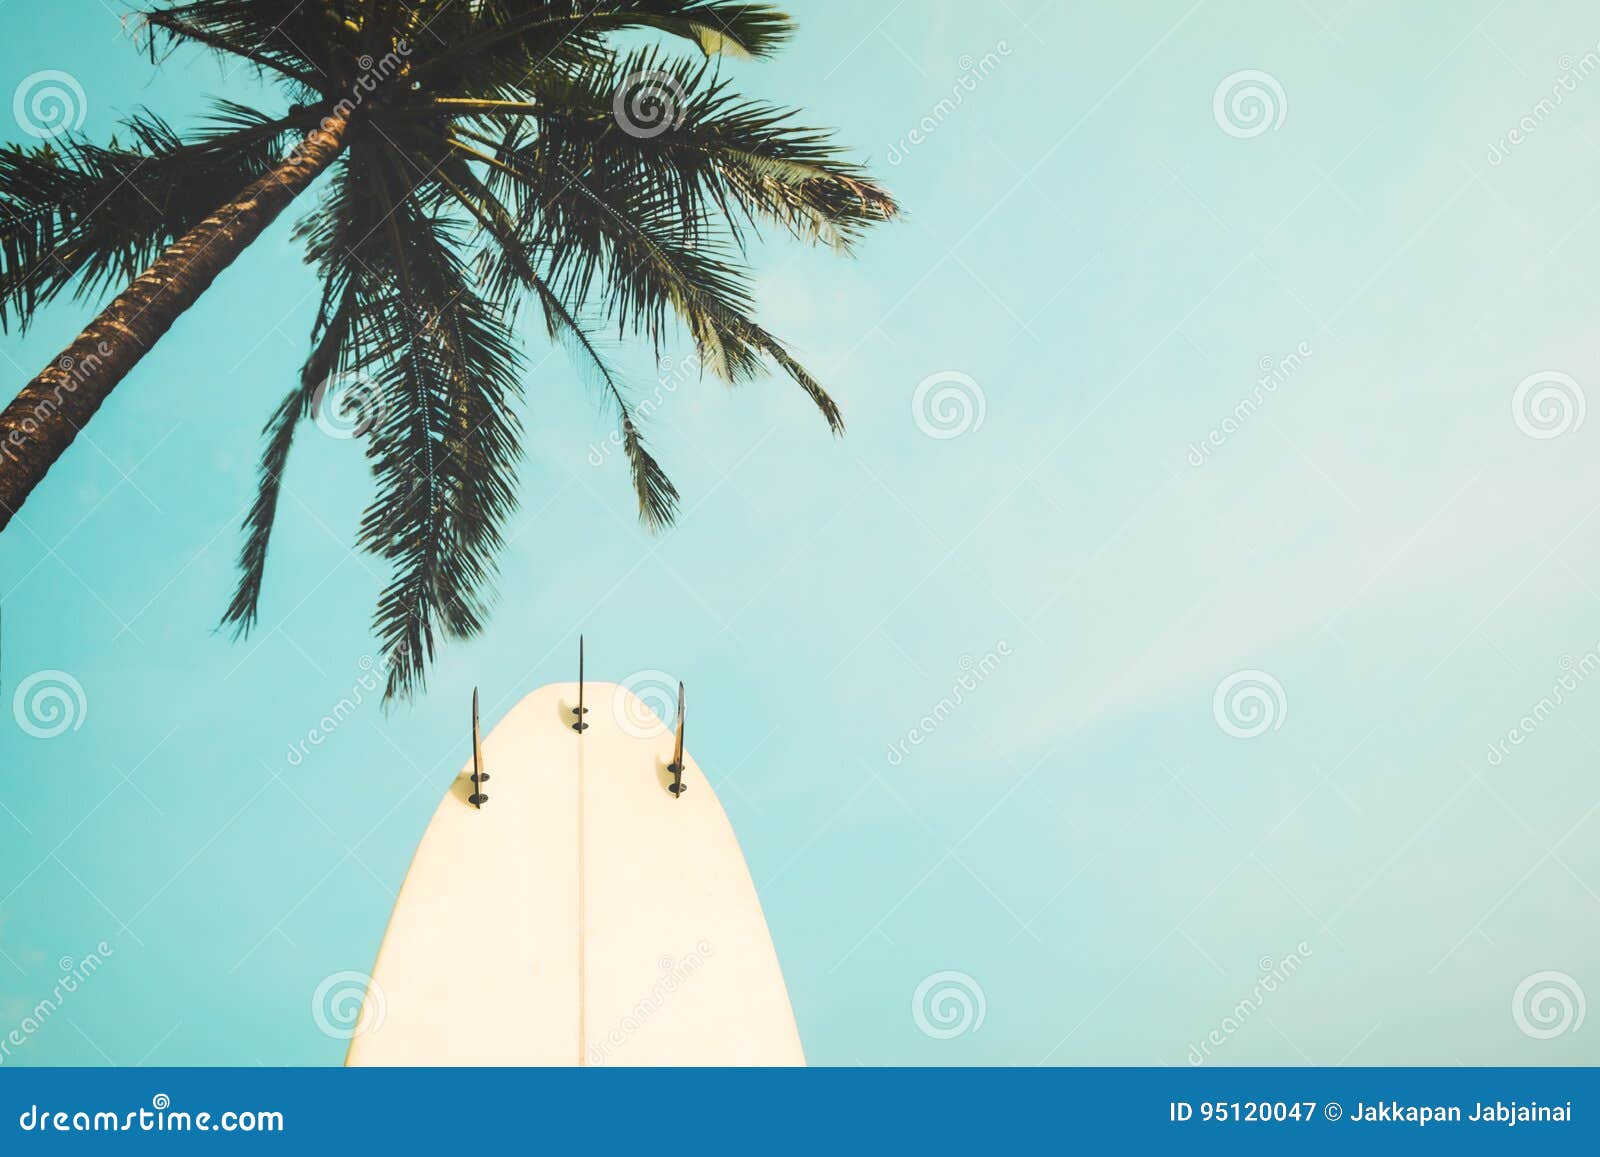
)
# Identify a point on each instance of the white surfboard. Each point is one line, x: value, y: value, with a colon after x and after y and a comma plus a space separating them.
x: 583, y: 915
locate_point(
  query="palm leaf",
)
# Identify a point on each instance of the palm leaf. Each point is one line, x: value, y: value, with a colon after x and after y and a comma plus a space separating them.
x: 490, y: 159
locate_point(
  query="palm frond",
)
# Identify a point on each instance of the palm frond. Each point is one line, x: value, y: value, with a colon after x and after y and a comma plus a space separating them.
x: 78, y: 215
x: 499, y: 162
x: 332, y: 347
x: 445, y: 454
x: 723, y: 155
x: 490, y: 45
x: 277, y: 36
x: 658, y: 497
x: 628, y: 245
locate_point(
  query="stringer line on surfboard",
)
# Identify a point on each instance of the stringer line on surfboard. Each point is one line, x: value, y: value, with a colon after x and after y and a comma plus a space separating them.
x: 583, y: 871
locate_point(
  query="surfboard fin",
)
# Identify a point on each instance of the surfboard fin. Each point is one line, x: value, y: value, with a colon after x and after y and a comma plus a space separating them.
x: 479, y: 777
x: 676, y: 766
x: 580, y: 710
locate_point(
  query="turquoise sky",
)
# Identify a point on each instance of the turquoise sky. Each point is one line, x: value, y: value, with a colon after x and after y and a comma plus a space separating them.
x: 1328, y: 302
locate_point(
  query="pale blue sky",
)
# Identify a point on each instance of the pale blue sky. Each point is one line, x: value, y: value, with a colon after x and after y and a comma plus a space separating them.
x: 1111, y: 269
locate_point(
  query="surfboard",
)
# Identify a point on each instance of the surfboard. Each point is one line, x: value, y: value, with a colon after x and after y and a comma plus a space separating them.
x: 580, y: 912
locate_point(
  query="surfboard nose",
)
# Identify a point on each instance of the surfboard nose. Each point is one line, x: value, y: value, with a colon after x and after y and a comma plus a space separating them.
x: 643, y: 707
x: 557, y: 880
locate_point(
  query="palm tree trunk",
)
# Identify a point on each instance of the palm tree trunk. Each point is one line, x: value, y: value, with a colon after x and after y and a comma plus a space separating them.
x: 41, y: 422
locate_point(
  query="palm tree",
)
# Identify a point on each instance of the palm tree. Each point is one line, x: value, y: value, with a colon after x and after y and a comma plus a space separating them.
x: 479, y: 154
